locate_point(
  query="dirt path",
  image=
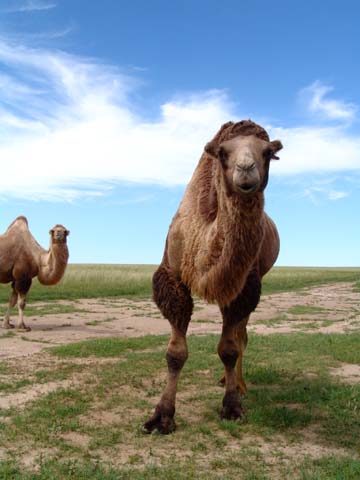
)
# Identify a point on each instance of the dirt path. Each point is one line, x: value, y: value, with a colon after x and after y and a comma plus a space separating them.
x: 327, y: 309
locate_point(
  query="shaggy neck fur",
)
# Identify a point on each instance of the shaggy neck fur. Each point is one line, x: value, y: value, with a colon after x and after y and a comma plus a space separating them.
x: 239, y: 231
x: 53, y: 263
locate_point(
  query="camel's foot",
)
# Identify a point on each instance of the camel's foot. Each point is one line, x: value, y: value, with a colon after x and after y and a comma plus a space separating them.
x: 8, y: 325
x: 232, y: 408
x: 162, y: 420
x: 23, y: 328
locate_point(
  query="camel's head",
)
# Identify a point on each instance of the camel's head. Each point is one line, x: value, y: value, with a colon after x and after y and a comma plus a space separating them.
x: 58, y: 234
x: 245, y: 161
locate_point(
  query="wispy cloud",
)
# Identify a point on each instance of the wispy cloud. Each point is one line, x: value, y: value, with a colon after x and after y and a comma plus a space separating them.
x: 318, y: 102
x: 70, y: 129
x: 336, y: 195
x: 28, y: 6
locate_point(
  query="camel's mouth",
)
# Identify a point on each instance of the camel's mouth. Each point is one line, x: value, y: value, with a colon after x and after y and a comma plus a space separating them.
x: 246, y: 188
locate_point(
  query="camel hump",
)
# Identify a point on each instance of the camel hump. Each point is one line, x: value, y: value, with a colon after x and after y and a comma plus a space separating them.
x: 20, y: 221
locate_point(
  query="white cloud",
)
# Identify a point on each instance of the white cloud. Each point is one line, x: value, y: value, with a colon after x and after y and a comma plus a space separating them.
x: 316, y: 96
x: 316, y: 150
x: 28, y: 6
x: 69, y: 129
x: 335, y: 195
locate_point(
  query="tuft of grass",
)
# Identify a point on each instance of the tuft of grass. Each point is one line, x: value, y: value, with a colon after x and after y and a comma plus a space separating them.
x: 305, y: 310
x: 330, y: 468
x: 14, y: 386
x: 7, y: 334
x: 108, y: 347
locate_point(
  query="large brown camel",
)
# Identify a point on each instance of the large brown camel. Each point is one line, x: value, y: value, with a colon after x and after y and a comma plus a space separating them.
x: 22, y: 259
x: 219, y: 246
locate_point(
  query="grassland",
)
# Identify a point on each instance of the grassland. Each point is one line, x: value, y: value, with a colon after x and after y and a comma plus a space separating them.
x: 91, y: 397
x: 91, y: 429
x: 93, y: 281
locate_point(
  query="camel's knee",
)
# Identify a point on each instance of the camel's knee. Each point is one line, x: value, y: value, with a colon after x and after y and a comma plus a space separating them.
x: 176, y: 362
x: 22, y: 303
x: 176, y: 354
x: 229, y: 352
x: 173, y: 298
x: 22, y: 285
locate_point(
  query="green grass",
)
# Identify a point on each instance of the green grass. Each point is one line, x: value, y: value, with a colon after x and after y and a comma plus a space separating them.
x: 7, y: 334
x: 291, y: 392
x: 285, y: 279
x: 305, y: 310
x: 126, y: 376
x: 93, y: 281
x: 108, y: 347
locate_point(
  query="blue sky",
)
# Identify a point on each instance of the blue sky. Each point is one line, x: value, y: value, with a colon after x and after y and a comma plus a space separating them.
x: 105, y: 108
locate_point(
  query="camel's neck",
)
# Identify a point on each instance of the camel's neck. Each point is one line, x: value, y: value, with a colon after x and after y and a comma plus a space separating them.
x: 239, y: 228
x: 53, y: 264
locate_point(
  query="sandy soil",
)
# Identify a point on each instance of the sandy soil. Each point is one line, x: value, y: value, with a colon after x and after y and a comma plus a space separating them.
x: 337, y: 311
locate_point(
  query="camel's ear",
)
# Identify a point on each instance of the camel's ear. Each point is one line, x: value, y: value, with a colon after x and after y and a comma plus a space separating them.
x: 217, y: 151
x: 211, y: 148
x: 51, y: 231
x: 275, y: 146
x: 67, y: 232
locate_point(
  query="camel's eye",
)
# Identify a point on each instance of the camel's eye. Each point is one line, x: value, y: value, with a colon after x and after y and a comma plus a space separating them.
x: 268, y: 153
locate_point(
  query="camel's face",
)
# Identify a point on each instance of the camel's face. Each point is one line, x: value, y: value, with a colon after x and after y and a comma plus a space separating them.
x: 245, y: 161
x: 59, y: 233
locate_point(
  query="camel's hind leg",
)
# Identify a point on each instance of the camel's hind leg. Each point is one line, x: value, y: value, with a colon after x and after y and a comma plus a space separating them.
x: 175, y: 303
x: 233, y: 343
x: 11, y: 304
x: 22, y: 287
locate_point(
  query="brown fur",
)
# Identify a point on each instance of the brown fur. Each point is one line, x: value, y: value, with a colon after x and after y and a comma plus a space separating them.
x: 22, y: 259
x: 219, y: 246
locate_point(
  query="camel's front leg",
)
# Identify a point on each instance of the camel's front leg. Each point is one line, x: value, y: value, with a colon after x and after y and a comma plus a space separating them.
x: 242, y: 338
x: 11, y: 304
x: 176, y: 356
x: 175, y: 303
x: 21, y: 306
x: 228, y: 350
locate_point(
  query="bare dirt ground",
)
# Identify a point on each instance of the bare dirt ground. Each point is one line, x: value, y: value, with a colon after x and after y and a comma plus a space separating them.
x: 326, y: 309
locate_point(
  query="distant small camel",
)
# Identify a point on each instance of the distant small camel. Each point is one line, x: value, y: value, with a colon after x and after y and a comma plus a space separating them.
x: 219, y: 246
x: 22, y: 259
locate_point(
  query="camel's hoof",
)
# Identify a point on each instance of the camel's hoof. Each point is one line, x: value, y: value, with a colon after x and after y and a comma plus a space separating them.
x: 232, y: 408
x: 162, y: 421
x: 8, y: 326
x: 24, y: 328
